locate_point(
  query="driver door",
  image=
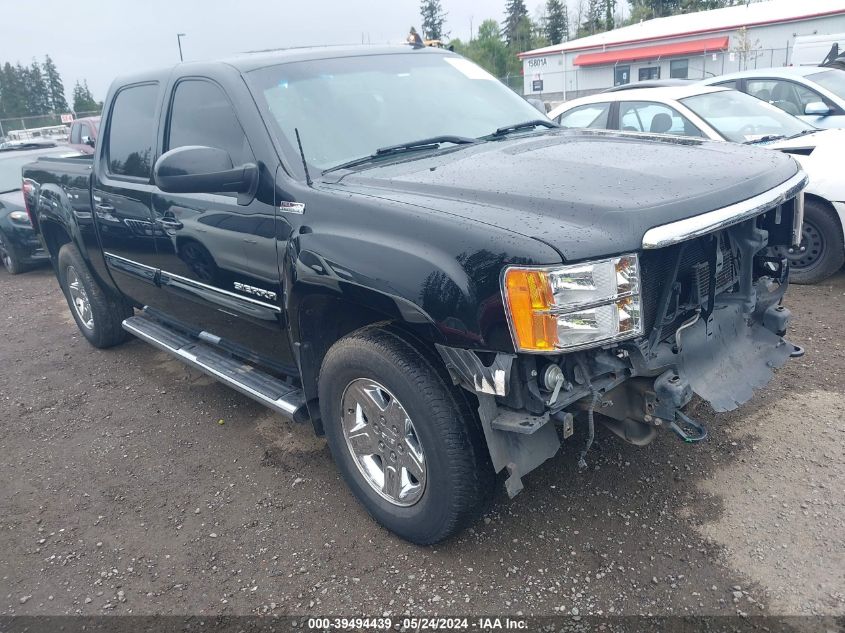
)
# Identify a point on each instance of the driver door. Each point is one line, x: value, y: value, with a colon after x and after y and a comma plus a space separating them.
x: 218, y: 258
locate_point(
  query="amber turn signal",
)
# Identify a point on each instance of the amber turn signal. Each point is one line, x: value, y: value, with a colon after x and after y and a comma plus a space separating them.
x: 529, y: 297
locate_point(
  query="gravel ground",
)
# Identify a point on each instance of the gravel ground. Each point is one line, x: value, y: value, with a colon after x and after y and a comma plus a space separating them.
x: 133, y: 485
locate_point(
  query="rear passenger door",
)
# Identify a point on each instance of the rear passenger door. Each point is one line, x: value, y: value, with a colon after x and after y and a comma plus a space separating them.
x: 217, y: 257
x: 122, y: 193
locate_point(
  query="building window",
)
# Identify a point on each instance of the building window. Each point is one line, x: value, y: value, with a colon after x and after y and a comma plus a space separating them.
x: 652, y: 72
x: 679, y: 69
x: 621, y: 75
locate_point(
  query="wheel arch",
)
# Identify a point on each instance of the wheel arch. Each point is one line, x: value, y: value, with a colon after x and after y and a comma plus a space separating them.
x: 319, y: 319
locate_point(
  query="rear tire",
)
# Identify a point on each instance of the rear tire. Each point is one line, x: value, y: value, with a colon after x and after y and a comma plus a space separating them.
x: 374, y: 377
x: 97, y: 313
x: 10, y: 257
x: 822, y: 237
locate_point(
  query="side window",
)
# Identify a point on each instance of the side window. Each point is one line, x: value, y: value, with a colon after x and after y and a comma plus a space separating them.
x: 654, y: 118
x: 593, y: 116
x: 200, y: 114
x: 84, y: 132
x: 679, y: 69
x: 646, y: 74
x: 787, y: 95
x: 75, y: 136
x: 132, y: 131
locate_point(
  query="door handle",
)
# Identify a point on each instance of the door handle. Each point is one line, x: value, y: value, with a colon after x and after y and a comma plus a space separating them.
x: 170, y: 223
x: 103, y: 210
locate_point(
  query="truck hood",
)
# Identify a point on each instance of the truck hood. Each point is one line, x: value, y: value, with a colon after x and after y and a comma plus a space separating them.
x: 585, y: 193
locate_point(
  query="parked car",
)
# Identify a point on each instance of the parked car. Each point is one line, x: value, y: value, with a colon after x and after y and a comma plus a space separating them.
x: 727, y: 115
x: 22, y: 144
x: 650, y: 83
x: 816, y: 95
x: 19, y: 245
x: 441, y: 301
x: 83, y: 134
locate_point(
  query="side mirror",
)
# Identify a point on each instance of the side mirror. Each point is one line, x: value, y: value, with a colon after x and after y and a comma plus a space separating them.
x: 816, y: 108
x: 198, y: 169
x: 87, y: 140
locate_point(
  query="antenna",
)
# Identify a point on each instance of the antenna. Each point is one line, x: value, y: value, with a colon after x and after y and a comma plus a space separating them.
x: 302, y: 154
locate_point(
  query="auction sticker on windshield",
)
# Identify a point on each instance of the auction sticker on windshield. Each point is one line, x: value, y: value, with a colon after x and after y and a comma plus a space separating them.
x: 468, y: 68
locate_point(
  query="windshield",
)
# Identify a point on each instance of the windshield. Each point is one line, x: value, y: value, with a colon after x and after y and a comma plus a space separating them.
x: 12, y: 161
x: 347, y: 108
x: 833, y: 80
x: 741, y: 118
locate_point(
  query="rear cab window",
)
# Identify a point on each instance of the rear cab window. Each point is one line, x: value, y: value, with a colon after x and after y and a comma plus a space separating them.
x: 132, y: 124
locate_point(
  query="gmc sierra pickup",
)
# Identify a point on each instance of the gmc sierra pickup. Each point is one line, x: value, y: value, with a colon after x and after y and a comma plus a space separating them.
x: 389, y: 244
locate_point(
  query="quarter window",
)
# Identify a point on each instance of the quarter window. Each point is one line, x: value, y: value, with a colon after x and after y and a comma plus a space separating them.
x: 202, y: 115
x: 132, y: 131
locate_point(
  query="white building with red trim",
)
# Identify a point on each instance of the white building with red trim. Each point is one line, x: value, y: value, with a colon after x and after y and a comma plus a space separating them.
x: 687, y: 46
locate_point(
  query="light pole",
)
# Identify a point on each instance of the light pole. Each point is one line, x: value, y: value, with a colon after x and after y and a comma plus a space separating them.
x: 179, y: 37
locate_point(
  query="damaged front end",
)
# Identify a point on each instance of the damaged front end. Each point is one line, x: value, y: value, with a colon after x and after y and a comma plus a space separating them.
x: 697, y: 311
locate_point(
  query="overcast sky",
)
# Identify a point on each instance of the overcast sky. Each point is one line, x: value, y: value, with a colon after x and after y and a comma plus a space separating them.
x: 99, y: 39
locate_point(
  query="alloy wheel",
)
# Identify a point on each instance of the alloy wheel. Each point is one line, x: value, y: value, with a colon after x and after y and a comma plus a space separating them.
x: 79, y: 298
x: 383, y: 442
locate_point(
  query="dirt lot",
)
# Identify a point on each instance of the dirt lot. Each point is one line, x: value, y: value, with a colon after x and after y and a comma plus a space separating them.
x: 132, y: 485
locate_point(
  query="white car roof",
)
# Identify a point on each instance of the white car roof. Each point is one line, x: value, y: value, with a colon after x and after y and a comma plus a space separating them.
x: 664, y: 94
x: 783, y: 71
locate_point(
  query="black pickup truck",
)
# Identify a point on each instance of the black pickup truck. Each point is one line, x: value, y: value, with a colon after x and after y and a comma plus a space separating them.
x: 388, y: 244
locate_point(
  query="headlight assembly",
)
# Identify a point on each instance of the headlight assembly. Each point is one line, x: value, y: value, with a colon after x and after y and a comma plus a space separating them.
x: 564, y: 308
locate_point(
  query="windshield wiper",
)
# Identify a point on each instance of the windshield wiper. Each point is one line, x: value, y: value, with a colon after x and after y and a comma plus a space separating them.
x: 766, y: 139
x: 804, y: 133
x: 432, y: 142
x: 11, y: 190
x: 518, y: 127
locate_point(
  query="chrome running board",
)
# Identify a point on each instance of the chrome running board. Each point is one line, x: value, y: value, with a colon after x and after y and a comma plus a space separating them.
x: 248, y: 379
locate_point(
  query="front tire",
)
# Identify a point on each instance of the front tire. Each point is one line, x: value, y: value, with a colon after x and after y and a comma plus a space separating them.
x: 824, y: 251
x: 97, y: 314
x: 405, y: 439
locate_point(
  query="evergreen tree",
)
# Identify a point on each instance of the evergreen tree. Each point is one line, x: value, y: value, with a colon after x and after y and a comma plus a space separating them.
x: 83, y: 100
x: 55, y: 87
x: 516, y: 15
x: 38, y: 92
x: 556, y: 27
x: 487, y: 49
x: 609, y: 20
x: 593, y: 18
x: 433, y: 18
